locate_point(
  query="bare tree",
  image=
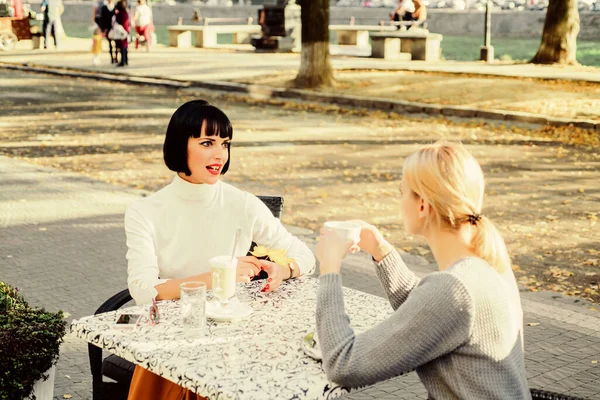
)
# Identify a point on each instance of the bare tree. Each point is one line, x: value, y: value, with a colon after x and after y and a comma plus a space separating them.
x: 315, y: 65
x: 559, y: 39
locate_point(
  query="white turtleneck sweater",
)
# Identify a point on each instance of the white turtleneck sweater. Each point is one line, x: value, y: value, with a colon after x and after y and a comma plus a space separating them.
x: 174, y: 232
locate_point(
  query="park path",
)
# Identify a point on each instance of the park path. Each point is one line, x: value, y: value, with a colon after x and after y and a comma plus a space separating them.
x: 565, y: 93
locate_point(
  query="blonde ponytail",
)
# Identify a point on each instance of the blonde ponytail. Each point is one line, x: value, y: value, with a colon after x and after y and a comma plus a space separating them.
x: 449, y: 178
x: 488, y: 244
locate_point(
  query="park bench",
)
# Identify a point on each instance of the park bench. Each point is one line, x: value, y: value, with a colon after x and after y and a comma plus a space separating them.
x: 406, y: 45
x: 206, y: 34
x: 357, y: 35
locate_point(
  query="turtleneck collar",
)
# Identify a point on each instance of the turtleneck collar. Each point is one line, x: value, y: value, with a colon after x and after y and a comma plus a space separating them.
x: 203, y: 192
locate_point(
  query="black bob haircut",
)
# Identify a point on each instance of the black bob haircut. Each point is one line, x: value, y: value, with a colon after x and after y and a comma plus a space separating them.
x: 187, y: 122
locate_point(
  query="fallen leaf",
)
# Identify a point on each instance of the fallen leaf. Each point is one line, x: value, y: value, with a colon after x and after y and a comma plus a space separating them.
x: 594, y: 361
x: 422, y: 251
x: 67, y: 396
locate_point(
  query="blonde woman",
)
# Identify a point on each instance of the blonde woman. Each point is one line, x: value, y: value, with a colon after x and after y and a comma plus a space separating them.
x: 461, y: 328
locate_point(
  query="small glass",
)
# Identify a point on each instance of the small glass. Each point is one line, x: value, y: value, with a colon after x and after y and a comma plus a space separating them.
x: 193, y: 304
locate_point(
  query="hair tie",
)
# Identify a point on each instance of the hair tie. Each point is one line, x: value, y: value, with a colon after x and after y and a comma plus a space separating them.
x: 474, y: 218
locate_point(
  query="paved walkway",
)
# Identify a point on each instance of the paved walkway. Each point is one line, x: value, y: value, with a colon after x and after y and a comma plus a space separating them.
x: 224, y: 69
x: 221, y: 64
x: 62, y: 244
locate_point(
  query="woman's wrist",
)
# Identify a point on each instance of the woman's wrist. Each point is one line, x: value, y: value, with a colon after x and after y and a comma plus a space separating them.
x: 169, y: 290
x: 292, y: 270
x: 383, y: 249
x: 285, y: 272
x: 330, y: 267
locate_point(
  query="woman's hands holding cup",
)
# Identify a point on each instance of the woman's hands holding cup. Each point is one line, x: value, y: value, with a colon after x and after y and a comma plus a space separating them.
x: 339, y: 238
x: 247, y: 268
x: 336, y: 240
x: 372, y: 242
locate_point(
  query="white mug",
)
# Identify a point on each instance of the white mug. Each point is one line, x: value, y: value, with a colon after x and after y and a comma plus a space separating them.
x: 224, y: 271
x: 345, y: 229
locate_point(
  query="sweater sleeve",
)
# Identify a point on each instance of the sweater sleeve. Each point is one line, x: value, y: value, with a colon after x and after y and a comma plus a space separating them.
x: 142, y: 264
x: 397, y: 280
x: 435, y: 319
x: 268, y: 231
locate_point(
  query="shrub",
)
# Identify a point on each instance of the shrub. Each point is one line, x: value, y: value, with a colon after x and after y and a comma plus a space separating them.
x: 30, y: 338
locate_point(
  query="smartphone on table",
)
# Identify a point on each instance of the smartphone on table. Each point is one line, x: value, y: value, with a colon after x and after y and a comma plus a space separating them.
x: 127, y: 321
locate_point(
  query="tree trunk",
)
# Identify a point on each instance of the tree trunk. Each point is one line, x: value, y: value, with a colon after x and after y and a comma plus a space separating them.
x: 315, y: 66
x: 559, y: 40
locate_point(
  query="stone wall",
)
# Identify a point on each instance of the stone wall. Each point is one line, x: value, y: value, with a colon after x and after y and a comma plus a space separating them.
x: 526, y: 24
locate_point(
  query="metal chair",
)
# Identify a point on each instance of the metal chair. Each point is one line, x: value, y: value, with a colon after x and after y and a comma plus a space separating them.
x: 119, y: 370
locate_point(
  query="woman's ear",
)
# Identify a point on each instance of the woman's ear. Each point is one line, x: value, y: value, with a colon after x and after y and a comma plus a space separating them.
x: 424, y: 208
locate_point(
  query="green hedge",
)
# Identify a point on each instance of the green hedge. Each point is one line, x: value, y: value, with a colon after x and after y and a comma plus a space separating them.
x: 30, y: 338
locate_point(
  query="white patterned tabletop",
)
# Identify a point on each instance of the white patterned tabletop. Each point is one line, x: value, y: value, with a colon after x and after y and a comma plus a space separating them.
x: 259, y: 357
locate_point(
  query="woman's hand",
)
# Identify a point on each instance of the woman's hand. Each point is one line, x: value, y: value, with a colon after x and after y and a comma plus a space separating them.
x: 277, y: 274
x: 372, y: 242
x: 247, y: 268
x: 331, y: 250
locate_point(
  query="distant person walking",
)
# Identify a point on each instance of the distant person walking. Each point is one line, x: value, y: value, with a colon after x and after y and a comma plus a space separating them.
x: 106, y: 17
x: 96, y: 45
x: 97, y: 27
x: 142, y: 20
x: 97, y: 12
x: 52, y: 10
x: 44, y: 10
x: 122, y: 18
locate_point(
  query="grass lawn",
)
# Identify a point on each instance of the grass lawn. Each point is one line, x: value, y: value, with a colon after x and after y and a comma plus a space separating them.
x: 466, y: 48
x: 459, y: 48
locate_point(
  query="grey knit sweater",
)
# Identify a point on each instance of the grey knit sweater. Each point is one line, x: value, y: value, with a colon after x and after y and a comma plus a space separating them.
x: 461, y: 329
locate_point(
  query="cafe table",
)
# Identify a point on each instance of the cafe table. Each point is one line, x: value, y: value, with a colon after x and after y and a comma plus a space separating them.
x: 258, y: 357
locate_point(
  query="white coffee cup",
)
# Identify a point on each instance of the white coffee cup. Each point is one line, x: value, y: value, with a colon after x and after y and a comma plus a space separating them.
x: 345, y: 229
x: 224, y: 271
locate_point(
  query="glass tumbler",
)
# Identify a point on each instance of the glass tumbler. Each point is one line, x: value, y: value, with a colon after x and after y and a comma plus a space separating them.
x: 193, y: 304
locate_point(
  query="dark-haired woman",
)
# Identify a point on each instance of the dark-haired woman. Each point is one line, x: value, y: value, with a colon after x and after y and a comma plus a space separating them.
x: 122, y: 18
x: 173, y: 233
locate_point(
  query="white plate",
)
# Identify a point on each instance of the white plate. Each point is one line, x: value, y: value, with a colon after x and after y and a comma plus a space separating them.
x: 235, y: 310
x: 310, y: 346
